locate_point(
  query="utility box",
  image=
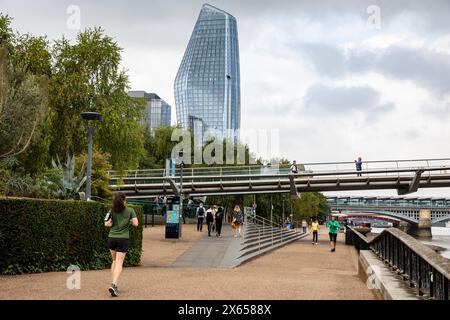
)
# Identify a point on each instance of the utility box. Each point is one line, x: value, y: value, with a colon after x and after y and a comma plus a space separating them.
x: 173, y: 225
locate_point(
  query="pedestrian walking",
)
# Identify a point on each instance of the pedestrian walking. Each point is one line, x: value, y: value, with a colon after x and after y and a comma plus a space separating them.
x: 304, y: 225
x: 315, y: 229
x: 200, y: 214
x: 358, y: 164
x: 191, y: 208
x: 237, y: 214
x: 219, y: 219
x: 210, y: 213
x: 119, y: 219
x: 333, y: 228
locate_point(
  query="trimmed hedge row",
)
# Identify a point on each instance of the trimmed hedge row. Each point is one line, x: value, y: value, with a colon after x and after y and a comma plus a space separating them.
x: 49, y: 235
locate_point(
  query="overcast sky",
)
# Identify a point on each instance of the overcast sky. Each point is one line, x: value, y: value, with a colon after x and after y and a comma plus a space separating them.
x: 334, y: 86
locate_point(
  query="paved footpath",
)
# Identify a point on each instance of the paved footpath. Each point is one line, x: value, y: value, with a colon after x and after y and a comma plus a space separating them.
x: 296, y: 271
x: 212, y: 252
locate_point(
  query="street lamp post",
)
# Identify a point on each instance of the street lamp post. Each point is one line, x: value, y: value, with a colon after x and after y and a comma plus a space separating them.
x: 181, y: 183
x: 90, y: 122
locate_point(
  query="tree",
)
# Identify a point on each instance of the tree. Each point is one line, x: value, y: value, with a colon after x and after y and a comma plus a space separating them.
x: 100, y: 177
x: 311, y: 204
x: 23, y: 106
x: 86, y: 77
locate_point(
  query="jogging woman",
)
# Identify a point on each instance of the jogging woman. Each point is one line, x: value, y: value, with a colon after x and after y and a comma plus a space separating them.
x: 119, y: 236
x: 333, y: 227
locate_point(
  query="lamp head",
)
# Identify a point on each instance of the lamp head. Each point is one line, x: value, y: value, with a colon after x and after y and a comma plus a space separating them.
x: 91, y: 116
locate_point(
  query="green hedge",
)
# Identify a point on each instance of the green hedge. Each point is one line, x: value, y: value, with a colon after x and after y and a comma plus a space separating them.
x: 49, y: 235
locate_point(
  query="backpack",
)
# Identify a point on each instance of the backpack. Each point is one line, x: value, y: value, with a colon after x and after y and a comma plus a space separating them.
x: 201, y: 211
x: 209, y: 216
x: 219, y: 214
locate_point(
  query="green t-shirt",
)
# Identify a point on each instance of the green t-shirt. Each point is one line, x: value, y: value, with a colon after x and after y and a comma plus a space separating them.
x: 333, y: 226
x: 121, y: 223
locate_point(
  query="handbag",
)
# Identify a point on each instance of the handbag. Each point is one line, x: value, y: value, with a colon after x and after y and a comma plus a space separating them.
x: 233, y: 223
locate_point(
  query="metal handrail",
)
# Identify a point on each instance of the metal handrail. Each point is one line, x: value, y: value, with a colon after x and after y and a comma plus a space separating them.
x: 423, y: 268
x: 297, y: 175
x: 274, y: 228
x: 161, y: 172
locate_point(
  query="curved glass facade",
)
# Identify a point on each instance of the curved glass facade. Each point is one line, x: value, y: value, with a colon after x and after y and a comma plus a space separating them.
x: 207, y: 85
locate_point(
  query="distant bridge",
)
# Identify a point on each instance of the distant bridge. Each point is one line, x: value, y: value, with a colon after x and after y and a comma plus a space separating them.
x: 403, y: 208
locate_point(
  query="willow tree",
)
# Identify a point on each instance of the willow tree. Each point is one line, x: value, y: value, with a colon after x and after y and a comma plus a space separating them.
x: 86, y: 76
x: 23, y: 105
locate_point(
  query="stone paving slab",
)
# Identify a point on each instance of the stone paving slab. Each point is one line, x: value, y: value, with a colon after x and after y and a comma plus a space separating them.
x: 212, y: 252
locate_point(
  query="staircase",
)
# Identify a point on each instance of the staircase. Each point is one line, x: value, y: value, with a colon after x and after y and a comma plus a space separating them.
x: 262, y: 235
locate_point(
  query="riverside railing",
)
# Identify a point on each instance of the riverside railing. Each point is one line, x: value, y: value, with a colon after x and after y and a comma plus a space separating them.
x: 282, y: 169
x: 423, y: 268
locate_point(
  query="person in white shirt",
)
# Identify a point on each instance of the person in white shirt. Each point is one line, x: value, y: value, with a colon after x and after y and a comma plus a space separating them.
x: 294, y: 168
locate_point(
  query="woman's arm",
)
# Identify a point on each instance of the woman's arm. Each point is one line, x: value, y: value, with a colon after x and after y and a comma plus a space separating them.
x: 109, y: 223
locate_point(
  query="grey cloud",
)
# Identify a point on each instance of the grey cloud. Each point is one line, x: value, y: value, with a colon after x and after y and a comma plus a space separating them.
x: 424, y: 67
x: 326, y: 59
x: 168, y: 23
x: 340, y: 99
x: 332, y: 101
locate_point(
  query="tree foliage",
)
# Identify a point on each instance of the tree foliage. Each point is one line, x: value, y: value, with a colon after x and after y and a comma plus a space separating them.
x: 311, y: 204
x: 100, y: 176
x: 23, y: 106
x: 86, y: 77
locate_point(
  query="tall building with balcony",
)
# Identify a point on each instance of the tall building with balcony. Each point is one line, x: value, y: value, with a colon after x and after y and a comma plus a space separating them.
x: 207, y: 85
x: 158, y: 112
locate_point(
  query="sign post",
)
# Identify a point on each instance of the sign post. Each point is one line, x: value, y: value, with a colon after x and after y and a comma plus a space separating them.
x: 173, y: 230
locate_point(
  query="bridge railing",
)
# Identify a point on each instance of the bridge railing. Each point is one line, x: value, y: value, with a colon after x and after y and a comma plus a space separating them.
x: 387, y: 167
x: 423, y: 268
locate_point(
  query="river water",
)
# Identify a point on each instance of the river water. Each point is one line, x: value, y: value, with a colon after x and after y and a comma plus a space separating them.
x: 440, y: 238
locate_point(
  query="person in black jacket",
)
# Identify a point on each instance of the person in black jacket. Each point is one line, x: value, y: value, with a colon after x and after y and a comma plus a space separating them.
x: 219, y: 219
x: 210, y: 213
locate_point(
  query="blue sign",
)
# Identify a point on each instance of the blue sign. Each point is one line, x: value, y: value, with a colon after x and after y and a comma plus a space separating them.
x: 172, y: 216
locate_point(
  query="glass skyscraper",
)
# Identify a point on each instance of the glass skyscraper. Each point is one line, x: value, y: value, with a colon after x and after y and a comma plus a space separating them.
x: 207, y: 85
x: 157, y: 110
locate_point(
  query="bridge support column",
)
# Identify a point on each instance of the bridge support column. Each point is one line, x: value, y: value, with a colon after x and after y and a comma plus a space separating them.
x: 404, y: 226
x: 423, y: 228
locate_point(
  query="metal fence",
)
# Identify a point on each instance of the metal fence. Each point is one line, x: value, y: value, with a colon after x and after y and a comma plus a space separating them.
x: 423, y: 268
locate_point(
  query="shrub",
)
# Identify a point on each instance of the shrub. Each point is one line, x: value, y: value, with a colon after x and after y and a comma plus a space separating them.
x: 49, y: 235
x: 100, y: 177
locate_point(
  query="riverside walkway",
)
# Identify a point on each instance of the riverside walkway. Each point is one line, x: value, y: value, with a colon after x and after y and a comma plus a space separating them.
x: 298, y: 270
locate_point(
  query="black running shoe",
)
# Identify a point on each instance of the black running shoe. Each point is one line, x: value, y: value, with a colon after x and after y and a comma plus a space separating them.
x: 113, y: 290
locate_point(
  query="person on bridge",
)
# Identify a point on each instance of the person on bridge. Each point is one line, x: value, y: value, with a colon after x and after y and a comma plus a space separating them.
x: 210, y: 213
x: 358, y: 164
x: 333, y: 228
x: 200, y: 216
x: 315, y: 229
x: 119, y: 219
x: 219, y: 219
x: 237, y: 214
x: 294, y: 168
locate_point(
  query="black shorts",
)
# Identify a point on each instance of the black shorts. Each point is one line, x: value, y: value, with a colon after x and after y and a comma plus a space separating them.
x: 333, y: 237
x: 119, y: 244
